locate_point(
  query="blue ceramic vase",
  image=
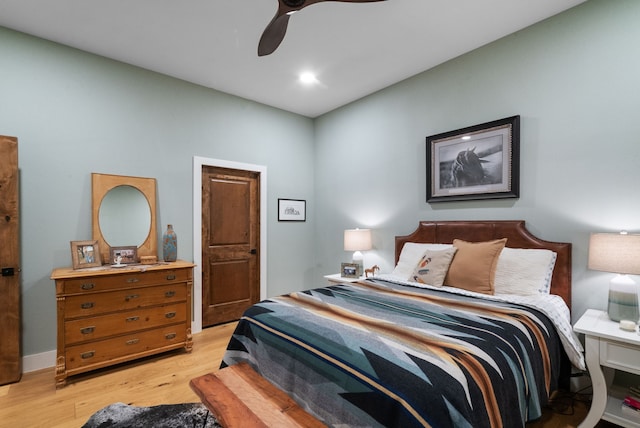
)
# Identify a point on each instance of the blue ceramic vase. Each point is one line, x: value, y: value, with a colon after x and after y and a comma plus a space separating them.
x: 169, y: 245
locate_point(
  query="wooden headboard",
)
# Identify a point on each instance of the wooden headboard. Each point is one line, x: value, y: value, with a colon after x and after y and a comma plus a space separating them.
x: 517, y: 237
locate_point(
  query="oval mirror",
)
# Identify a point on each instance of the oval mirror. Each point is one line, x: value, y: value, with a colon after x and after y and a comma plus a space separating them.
x: 125, y: 217
x: 123, y: 213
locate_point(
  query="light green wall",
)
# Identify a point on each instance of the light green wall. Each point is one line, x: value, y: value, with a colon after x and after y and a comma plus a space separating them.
x: 76, y: 113
x: 575, y: 81
x: 572, y: 78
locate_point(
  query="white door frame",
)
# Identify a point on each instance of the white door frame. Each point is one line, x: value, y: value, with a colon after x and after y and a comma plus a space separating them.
x: 198, y: 163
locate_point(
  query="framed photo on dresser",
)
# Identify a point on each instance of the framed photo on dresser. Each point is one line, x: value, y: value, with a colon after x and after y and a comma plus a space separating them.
x: 128, y: 255
x: 85, y: 254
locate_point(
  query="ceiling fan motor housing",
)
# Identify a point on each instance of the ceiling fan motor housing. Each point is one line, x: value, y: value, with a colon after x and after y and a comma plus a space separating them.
x: 293, y: 3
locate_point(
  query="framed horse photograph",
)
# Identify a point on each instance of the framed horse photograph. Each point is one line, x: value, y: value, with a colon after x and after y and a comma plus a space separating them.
x: 476, y: 162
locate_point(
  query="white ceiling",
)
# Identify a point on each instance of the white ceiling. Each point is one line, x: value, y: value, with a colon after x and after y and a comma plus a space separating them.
x: 355, y: 48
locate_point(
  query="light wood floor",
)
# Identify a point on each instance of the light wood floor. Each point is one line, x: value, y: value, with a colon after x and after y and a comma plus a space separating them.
x: 164, y: 379
x: 35, y: 402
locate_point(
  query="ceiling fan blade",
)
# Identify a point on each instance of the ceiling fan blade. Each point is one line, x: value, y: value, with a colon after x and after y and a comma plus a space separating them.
x: 277, y: 28
x: 310, y: 2
x: 273, y: 34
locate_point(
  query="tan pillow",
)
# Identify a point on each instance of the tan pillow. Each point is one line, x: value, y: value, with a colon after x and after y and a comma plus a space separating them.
x: 474, y: 266
x: 433, y: 267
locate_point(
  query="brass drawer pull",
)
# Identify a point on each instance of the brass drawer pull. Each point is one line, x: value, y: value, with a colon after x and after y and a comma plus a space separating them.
x: 170, y: 336
x: 171, y: 277
x: 170, y: 314
x: 132, y: 341
x: 132, y: 280
x: 87, y: 305
x: 131, y: 319
x: 169, y: 294
x: 88, y: 286
x: 131, y: 296
x: 88, y: 330
x: 86, y: 355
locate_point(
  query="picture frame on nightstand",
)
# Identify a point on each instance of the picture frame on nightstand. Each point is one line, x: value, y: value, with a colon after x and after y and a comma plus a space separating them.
x: 350, y: 270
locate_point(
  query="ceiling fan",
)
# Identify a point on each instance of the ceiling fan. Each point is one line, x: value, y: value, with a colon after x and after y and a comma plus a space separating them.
x: 275, y: 31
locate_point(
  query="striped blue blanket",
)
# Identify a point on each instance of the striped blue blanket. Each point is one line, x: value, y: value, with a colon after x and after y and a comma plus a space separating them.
x: 377, y: 353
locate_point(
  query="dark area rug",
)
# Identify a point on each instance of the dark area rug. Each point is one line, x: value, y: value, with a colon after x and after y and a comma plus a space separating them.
x: 120, y: 415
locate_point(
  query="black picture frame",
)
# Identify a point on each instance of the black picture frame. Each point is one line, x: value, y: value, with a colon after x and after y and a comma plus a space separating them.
x: 292, y: 209
x: 476, y: 162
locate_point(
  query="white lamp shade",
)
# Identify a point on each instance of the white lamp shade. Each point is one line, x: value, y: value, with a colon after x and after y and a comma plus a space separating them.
x: 357, y: 239
x: 615, y: 252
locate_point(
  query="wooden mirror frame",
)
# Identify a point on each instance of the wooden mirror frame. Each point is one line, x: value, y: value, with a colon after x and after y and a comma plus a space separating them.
x: 100, y: 186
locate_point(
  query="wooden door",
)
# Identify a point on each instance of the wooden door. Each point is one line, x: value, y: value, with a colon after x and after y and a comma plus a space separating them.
x: 230, y: 243
x: 10, y: 358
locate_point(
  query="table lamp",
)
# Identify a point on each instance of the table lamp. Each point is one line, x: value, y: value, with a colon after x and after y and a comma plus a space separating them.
x: 618, y: 253
x: 357, y: 240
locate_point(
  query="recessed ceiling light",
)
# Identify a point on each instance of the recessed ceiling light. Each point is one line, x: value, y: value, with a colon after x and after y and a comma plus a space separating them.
x: 466, y: 137
x: 308, y: 78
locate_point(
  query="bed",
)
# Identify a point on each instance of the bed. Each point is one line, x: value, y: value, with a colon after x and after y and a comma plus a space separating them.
x: 404, y: 352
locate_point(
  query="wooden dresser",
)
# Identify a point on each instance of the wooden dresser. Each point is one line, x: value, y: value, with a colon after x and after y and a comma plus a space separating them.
x: 110, y: 315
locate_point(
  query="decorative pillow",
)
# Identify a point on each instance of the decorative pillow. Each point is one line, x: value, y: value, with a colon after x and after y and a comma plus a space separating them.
x: 410, y: 256
x: 524, y: 271
x: 433, y: 267
x: 474, y: 266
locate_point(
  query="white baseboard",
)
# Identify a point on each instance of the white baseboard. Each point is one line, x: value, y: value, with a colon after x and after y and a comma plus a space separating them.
x: 44, y: 360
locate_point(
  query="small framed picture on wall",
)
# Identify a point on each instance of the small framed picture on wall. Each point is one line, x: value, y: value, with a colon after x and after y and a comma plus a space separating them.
x: 292, y: 210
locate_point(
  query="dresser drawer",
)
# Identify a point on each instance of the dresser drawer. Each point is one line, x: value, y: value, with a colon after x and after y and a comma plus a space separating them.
x: 619, y: 355
x: 124, y: 280
x: 103, y: 351
x: 99, y: 303
x: 101, y: 326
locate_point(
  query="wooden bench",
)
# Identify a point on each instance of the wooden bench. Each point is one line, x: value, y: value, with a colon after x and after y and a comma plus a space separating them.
x: 240, y: 397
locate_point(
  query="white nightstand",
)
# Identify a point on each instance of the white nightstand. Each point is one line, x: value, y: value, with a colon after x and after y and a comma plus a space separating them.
x: 606, y: 345
x: 336, y: 278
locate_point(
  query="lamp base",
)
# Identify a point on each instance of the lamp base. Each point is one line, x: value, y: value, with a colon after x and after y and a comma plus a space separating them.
x: 358, y: 259
x: 623, y: 299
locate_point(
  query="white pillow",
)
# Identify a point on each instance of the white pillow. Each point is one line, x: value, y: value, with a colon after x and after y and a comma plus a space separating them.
x: 411, y: 254
x: 524, y: 271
